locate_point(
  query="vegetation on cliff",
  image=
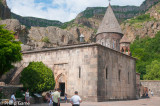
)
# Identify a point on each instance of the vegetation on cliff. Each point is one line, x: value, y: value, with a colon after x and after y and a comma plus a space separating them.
x: 32, y: 21
x: 153, y: 71
x: 138, y: 21
x: 147, y: 52
x: 10, y: 50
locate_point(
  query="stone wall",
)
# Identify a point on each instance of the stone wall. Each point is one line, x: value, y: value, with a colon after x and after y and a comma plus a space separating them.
x: 138, y: 85
x: 8, y: 90
x: 116, y: 75
x: 152, y: 85
x: 110, y: 40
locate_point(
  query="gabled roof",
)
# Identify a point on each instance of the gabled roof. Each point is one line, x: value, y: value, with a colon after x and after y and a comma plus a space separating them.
x: 109, y: 23
x: 125, y: 40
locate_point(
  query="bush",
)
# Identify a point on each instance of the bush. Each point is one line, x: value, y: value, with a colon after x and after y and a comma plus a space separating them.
x: 141, y: 19
x: 46, y: 40
x: 19, y: 94
x: 37, y: 77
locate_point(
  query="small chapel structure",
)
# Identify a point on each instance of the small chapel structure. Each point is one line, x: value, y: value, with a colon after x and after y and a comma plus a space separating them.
x: 98, y: 71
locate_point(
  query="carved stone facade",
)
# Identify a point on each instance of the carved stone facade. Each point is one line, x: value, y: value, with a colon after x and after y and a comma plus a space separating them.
x: 96, y: 72
x: 110, y: 40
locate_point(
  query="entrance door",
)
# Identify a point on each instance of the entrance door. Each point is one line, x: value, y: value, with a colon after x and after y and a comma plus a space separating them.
x: 62, y: 87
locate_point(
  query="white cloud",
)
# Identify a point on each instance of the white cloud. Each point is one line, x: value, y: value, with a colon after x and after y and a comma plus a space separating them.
x: 62, y: 10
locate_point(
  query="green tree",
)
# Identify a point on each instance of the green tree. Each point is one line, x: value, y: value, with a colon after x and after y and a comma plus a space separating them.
x: 146, y: 50
x: 37, y: 77
x: 10, y: 50
x: 153, y: 71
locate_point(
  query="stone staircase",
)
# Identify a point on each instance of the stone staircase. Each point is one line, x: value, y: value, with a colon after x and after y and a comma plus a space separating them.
x: 6, y: 78
x: 15, y: 79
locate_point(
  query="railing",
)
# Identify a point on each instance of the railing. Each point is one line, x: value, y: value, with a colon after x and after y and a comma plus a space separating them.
x: 11, y: 77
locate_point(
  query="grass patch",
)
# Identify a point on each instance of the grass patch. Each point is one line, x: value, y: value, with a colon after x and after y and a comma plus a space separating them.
x: 138, y: 21
x: 66, y: 24
x: 46, y: 39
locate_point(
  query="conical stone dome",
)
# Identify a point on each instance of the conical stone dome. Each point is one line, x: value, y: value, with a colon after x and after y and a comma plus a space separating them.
x: 109, y: 23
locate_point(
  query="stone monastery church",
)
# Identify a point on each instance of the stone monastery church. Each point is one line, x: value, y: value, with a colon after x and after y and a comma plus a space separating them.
x: 99, y: 71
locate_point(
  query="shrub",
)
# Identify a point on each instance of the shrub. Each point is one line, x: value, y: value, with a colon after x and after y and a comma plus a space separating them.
x: 37, y: 77
x: 141, y: 19
x: 46, y: 39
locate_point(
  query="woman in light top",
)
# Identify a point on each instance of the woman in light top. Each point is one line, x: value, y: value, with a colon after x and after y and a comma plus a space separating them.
x: 27, y: 96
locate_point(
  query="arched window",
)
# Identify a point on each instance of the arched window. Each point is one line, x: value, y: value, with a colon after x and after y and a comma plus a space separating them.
x: 70, y: 42
x: 128, y: 78
x: 119, y: 75
x: 106, y: 73
x: 63, y: 39
x: 79, y: 72
x: 102, y: 43
x: 113, y: 44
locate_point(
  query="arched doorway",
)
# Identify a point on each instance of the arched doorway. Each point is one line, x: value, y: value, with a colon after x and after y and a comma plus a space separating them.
x: 61, y: 83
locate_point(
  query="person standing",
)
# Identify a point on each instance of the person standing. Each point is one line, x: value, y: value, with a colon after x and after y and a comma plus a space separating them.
x: 56, y: 97
x: 13, y: 99
x: 151, y: 92
x: 65, y: 98
x: 75, y: 100
x: 51, y: 98
x: 27, y: 96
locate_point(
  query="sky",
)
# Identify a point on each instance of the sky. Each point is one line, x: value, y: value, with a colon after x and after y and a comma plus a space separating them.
x: 62, y: 10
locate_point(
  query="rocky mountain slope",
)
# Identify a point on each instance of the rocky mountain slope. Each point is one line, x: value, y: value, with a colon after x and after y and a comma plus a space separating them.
x: 68, y: 33
x: 91, y: 18
x: 38, y: 37
x: 32, y: 21
x: 122, y: 13
x: 5, y: 12
x: 144, y: 25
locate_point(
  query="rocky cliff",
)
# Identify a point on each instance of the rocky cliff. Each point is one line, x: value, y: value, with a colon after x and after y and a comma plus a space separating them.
x: 45, y: 37
x: 121, y: 12
x: 38, y: 37
x: 32, y: 21
x: 92, y: 16
x: 15, y: 26
x: 144, y: 25
x: 5, y: 12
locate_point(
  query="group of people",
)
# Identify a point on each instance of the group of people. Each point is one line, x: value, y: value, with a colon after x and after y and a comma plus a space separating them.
x: 52, y: 98
x: 13, y: 98
x: 55, y: 98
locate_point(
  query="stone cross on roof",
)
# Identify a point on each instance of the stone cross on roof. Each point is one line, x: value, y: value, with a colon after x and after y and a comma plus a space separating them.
x: 109, y: 23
